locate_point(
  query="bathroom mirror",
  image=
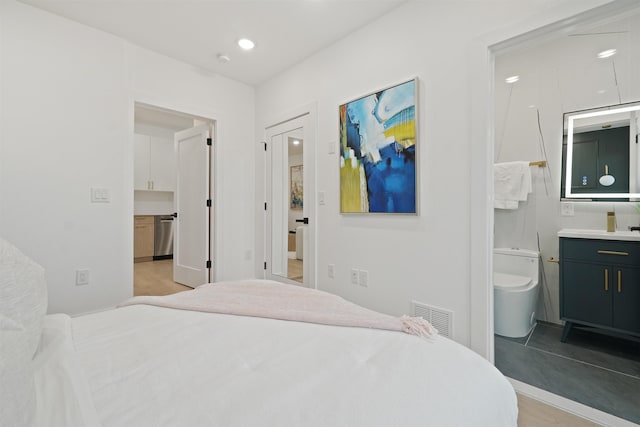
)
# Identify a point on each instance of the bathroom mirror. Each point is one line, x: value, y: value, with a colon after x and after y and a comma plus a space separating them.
x: 600, y: 156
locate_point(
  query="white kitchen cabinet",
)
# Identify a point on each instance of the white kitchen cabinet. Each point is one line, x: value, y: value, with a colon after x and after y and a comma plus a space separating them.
x: 154, y: 163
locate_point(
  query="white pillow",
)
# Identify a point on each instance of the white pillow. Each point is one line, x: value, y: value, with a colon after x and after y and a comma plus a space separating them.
x: 23, y: 304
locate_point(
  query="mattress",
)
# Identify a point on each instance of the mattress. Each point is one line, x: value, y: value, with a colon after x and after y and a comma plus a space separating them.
x: 153, y: 366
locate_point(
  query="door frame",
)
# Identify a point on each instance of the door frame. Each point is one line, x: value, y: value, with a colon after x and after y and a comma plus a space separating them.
x: 196, y: 112
x: 309, y: 110
x: 482, y: 55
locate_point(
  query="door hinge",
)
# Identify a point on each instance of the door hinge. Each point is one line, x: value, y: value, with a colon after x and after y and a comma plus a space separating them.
x: 265, y: 206
x: 265, y: 265
x: 209, y: 264
x: 265, y: 146
x: 209, y: 141
x: 208, y: 203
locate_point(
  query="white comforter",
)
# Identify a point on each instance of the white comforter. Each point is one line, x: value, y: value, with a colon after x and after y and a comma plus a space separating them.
x: 153, y: 366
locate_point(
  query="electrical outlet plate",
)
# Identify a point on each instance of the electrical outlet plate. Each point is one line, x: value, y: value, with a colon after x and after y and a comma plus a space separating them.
x: 82, y: 277
x: 355, y: 277
x: 363, y: 278
x: 566, y: 209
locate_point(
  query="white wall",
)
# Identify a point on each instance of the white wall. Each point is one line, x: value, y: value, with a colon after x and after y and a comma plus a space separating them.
x: 67, y: 94
x: 425, y: 257
x: 554, y: 80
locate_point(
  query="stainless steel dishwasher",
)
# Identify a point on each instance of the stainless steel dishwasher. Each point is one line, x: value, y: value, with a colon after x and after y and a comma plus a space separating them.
x: 163, y: 241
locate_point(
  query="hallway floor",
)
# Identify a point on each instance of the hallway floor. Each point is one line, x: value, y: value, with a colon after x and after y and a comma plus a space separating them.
x: 591, y: 368
x: 155, y: 278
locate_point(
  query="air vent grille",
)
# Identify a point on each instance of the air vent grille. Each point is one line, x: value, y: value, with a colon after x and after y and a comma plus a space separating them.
x: 440, y: 318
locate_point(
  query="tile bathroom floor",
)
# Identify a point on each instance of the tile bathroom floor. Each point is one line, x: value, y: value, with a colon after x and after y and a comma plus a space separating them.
x: 594, y: 369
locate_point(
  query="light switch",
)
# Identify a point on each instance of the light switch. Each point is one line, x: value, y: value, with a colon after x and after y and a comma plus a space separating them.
x: 100, y: 195
x: 331, y: 270
x: 321, y: 195
x: 332, y: 147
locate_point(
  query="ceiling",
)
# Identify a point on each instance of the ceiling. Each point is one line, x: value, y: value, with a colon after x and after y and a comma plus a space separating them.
x: 196, y: 31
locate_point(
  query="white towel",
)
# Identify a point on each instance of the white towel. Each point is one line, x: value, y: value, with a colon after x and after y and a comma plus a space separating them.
x: 511, y: 184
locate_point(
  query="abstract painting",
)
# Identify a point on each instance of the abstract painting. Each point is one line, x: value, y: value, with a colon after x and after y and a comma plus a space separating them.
x: 378, y: 152
x: 296, y: 187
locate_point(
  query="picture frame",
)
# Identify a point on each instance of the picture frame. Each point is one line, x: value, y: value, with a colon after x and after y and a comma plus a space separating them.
x: 378, y: 145
x: 296, y: 187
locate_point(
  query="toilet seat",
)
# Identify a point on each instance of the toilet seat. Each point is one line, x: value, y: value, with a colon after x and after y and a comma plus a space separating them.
x: 510, y: 281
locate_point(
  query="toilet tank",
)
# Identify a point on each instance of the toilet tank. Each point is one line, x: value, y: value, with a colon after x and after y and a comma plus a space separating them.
x: 522, y: 262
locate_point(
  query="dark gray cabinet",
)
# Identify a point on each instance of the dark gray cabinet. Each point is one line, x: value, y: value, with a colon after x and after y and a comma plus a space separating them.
x: 600, y: 284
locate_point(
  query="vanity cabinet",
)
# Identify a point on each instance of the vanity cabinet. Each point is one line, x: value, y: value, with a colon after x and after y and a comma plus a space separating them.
x: 600, y: 284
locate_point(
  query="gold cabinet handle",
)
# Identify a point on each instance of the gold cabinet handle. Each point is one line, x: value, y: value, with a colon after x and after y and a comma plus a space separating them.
x: 619, y: 281
x: 613, y: 253
x: 606, y: 279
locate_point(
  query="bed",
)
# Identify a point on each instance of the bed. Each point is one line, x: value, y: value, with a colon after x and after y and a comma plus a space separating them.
x: 148, y: 365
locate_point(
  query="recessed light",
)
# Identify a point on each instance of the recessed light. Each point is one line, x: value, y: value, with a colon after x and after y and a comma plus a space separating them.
x: 607, y: 53
x: 601, y: 91
x: 512, y: 79
x: 246, y: 44
x: 296, y: 142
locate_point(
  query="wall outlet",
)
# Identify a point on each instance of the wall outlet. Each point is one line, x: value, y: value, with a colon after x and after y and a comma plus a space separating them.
x: 363, y: 278
x: 566, y: 208
x: 355, y: 277
x: 331, y: 271
x: 82, y: 277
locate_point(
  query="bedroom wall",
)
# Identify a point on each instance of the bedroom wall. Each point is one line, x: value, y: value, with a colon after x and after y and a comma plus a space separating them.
x: 425, y: 257
x: 66, y: 99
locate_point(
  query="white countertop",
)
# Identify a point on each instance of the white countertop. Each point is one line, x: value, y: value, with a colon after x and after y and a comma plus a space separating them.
x: 600, y: 234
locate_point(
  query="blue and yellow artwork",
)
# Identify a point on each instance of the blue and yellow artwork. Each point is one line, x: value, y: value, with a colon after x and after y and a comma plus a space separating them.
x: 378, y: 152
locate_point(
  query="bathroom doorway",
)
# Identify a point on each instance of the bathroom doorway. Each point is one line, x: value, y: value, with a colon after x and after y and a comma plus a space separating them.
x: 535, y: 83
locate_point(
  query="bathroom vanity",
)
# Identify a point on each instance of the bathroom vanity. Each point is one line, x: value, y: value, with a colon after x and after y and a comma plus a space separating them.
x: 600, y: 280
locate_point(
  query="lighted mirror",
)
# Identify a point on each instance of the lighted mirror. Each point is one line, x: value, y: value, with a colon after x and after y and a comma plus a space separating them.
x: 600, y: 154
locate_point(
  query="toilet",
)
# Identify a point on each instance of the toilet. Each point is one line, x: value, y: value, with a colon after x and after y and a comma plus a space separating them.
x: 515, y: 290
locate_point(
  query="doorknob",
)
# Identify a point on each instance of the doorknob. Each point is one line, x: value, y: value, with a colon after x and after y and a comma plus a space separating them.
x: 305, y: 220
x: 175, y: 214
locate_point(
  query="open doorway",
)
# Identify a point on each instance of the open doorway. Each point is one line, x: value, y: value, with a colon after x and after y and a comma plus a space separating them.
x: 158, y: 198
x: 587, y: 66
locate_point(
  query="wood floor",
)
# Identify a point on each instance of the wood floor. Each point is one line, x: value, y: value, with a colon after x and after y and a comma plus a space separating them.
x: 294, y: 270
x: 532, y: 413
x: 155, y: 278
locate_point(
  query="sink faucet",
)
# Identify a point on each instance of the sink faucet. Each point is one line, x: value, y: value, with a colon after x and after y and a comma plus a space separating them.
x: 634, y: 228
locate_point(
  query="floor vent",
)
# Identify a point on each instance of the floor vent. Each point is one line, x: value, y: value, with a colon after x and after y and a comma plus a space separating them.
x: 440, y: 318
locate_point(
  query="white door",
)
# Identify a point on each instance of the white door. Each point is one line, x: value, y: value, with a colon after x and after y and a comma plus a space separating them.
x: 191, y: 262
x: 290, y: 190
